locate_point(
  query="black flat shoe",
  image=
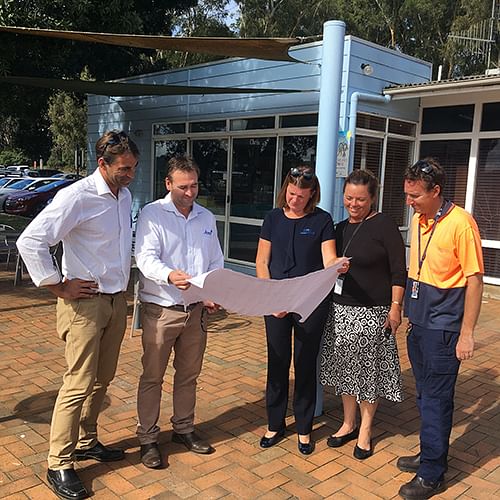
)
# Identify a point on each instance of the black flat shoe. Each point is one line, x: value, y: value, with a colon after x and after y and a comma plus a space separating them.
x: 361, y: 454
x: 100, y: 453
x: 67, y: 484
x: 266, y: 442
x: 337, y: 441
x: 306, y: 448
x: 409, y: 464
x: 193, y: 443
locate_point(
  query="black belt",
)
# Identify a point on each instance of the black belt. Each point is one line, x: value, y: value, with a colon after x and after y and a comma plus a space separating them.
x: 183, y: 308
x: 109, y: 294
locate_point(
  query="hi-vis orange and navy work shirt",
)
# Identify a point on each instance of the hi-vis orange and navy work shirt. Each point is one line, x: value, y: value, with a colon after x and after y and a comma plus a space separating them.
x: 454, y: 254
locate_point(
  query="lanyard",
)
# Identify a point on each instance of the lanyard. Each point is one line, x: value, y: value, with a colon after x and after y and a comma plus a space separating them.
x: 421, y: 257
x: 358, y: 227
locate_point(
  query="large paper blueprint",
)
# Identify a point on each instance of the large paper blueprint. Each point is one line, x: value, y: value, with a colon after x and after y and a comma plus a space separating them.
x: 245, y: 294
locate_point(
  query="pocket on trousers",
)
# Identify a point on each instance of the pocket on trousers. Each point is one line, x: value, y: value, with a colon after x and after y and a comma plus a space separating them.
x: 204, y: 320
x: 445, y: 364
x: 150, y: 310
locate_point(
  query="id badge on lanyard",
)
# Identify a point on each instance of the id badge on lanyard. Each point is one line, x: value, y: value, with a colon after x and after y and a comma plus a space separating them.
x: 339, y: 283
x: 414, y: 289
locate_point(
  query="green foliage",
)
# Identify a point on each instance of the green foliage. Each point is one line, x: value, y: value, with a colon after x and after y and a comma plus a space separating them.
x: 13, y: 157
x: 68, y: 126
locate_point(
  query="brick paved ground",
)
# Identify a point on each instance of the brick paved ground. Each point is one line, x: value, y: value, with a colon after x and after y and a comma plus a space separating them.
x: 230, y: 412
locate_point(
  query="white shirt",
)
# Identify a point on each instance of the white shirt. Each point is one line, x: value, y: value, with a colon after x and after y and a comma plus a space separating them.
x: 95, y: 229
x: 166, y: 241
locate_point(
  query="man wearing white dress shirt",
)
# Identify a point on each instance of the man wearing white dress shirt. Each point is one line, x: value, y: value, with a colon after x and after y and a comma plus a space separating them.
x: 92, y: 220
x: 176, y: 239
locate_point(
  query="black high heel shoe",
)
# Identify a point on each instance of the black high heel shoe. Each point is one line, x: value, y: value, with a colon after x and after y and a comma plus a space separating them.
x: 266, y: 442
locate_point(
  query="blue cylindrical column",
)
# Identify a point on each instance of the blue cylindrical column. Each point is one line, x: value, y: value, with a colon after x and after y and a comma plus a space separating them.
x: 328, y: 128
x: 329, y: 109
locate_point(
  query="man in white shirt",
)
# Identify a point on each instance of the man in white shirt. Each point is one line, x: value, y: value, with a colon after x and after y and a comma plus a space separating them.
x: 92, y: 219
x: 176, y: 239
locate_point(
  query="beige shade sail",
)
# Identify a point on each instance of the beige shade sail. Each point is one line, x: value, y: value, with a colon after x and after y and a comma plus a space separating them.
x: 132, y: 89
x: 275, y: 49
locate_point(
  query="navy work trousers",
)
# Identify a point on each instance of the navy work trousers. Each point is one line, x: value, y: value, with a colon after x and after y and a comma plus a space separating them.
x: 306, y: 344
x: 435, y: 368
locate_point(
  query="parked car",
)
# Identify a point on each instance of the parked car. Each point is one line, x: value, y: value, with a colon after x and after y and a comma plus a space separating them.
x: 17, y: 184
x: 68, y: 175
x: 30, y: 203
x: 43, y: 172
x: 16, y: 170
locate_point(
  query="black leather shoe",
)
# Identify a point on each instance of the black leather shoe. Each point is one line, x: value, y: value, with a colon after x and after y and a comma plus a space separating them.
x: 66, y: 484
x: 337, y: 441
x: 100, y: 453
x: 420, y: 489
x: 306, y: 448
x: 151, y: 456
x: 193, y: 443
x: 362, y: 454
x: 266, y: 442
x: 409, y: 464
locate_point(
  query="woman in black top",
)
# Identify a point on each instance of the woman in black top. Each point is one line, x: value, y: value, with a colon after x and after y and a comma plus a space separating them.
x: 297, y: 238
x: 359, y: 354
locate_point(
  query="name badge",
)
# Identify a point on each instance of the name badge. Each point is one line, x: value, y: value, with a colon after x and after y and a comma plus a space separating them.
x: 339, y: 283
x: 414, y: 289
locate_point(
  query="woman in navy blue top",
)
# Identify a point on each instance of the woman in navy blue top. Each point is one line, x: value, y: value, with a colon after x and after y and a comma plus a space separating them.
x: 297, y: 238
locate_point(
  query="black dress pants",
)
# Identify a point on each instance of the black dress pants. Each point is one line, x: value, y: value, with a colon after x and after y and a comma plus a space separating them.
x: 306, y: 345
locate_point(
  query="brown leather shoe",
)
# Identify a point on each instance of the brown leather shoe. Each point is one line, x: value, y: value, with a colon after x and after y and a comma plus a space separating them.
x: 151, y: 456
x: 193, y: 443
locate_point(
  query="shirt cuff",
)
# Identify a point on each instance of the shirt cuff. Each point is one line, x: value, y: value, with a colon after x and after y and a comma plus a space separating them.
x: 53, y: 279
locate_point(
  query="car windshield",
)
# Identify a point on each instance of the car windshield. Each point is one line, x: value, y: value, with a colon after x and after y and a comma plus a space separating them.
x: 20, y: 184
x: 37, y: 184
x: 50, y: 186
x: 4, y: 181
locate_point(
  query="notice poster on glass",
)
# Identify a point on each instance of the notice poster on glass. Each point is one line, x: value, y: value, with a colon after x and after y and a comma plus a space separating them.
x: 343, y: 154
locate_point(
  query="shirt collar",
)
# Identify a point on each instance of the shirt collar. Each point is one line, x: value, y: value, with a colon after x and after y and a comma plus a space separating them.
x: 100, y: 184
x: 168, y: 205
x: 427, y: 224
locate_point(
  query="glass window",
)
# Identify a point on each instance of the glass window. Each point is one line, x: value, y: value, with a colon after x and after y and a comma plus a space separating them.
x: 298, y: 150
x: 368, y: 154
x: 370, y: 122
x: 489, y: 120
x: 169, y: 128
x: 447, y: 119
x: 243, y: 240
x: 211, y: 157
x: 164, y: 150
x: 253, y: 123
x: 212, y: 126
x: 220, y: 233
x: 486, y: 208
x: 290, y: 121
x: 454, y: 158
x: 252, y: 178
x: 398, y: 157
x: 491, y: 258
x: 402, y: 128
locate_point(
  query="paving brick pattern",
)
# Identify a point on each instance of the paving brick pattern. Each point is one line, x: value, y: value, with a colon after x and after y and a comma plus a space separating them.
x: 231, y: 415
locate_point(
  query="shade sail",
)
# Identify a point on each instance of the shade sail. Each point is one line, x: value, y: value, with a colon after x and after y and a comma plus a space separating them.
x: 132, y: 89
x: 275, y: 49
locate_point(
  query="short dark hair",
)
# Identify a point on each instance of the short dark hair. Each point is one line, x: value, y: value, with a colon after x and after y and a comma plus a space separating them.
x: 114, y: 143
x: 360, y: 177
x: 296, y: 177
x: 429, y: 171
x: 182, y: 163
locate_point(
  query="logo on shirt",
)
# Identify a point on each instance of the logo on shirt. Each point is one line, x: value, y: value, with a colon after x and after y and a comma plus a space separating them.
x: 208, y: 232
x: 307, y: 231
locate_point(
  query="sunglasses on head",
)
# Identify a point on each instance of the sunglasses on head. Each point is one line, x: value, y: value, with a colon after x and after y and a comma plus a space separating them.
x: 297, y: 172
x: 424, y: 167
x: 115, y: 139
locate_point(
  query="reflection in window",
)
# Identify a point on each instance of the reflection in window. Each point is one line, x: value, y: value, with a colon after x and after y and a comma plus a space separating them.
x: 486, y: 200
x: 211, y: 126
x: 252, y: 180
x: 253, y: 123
x: 169, y: 128
x: 298, y: 150
x: 243, y: 241
x: 454, y: 158
x: 309, y: 120
x: 211, y: 157
x: 164, y: 150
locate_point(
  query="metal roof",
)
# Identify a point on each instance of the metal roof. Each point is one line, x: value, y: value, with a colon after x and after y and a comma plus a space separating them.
x: 453, y: 86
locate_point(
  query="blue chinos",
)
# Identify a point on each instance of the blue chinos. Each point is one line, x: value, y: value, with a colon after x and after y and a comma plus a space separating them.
x: 435, y: 368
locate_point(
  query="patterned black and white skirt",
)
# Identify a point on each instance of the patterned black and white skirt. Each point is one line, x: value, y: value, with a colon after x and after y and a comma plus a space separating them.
x: 356, y: 358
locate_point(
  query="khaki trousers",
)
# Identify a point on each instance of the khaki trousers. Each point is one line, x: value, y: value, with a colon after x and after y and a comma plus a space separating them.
x: 164, y: 329
x: 93, y: 330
